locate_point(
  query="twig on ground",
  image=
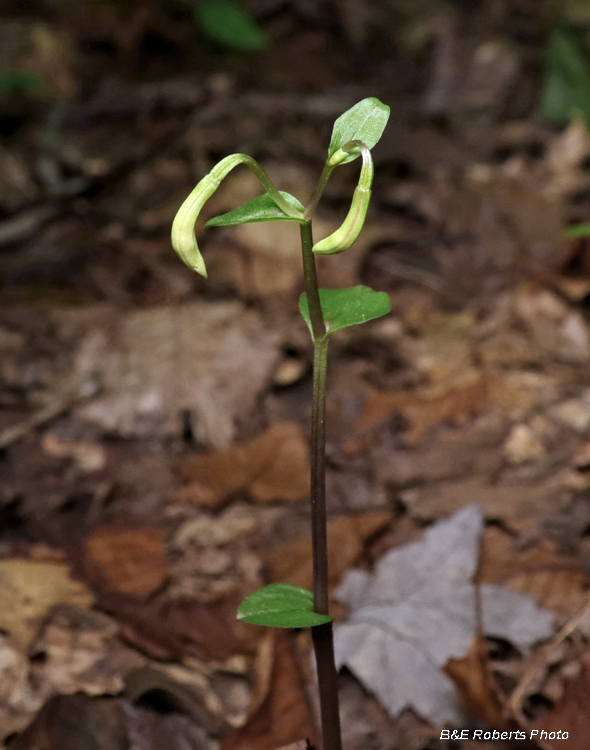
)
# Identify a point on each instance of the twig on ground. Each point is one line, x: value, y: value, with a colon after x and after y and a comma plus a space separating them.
x: 59, y: 402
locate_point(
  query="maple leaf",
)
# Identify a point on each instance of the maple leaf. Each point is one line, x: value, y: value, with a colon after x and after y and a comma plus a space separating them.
x: 417, y: 610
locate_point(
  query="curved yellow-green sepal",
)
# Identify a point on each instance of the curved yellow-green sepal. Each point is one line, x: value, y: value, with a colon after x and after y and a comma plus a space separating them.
x: 347, y: 234
x: 183, y: 226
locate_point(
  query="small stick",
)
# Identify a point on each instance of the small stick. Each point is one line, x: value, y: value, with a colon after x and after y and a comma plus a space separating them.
x: 537, y: 663
x: 72, y: 393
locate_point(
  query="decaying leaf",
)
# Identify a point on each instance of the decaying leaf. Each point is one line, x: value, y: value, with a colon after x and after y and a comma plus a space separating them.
x: 292, y: 563
x: 29, y: 589
x: 523, y: 444
x: 272, y: 466
x: 556, y: 581
x: 82, y: 652
x: 129, y: 560
x: 557, y: 329
x: 156, y: 363
x: 511, y: 500
x: 443, y: 346
x: 18, y: 698
x: 211, y: 627
x: 208, y: 530
x: 571, y: 715
x: 530, y: 325
x: 515, y: 393
x: 476, y: 691
x: 451, y: 454
x: 455, y: 399
x: 99, y: 722
x: 86, y: 455
x: 283, y: 716
x: 417, y: 611
x: 186, y: 690
x: 107, y: 723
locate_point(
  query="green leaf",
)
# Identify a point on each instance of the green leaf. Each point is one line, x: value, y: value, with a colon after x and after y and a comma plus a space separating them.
x: 577, y: 230
x: 12, y: 82
x: 347, y: 307
x: 566, y: 88
x: 364, y: 122
x: 281, y: 605
x: 262, y: 208
x: 227, y: 23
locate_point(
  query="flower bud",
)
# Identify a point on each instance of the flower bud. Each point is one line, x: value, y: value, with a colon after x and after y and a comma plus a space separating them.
x: 347, y: 233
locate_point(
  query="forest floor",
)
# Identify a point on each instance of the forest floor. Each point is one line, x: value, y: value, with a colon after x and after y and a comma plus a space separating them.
x: 154, y: 425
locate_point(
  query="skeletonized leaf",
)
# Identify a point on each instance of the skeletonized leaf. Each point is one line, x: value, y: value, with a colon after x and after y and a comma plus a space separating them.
x: 417, y: 611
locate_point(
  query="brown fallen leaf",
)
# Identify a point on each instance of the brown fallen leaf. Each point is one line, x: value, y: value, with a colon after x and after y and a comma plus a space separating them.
x: 292, y: 563
x: 571, y: 715
x: 556, y: 328
x: 153, y: 366
x: 82, y: 652
x: 514, y: 502
x: 44, y: 553
x: 211, y: 627
x: 29, y: 589
x: 475, y: 688
x: 99, y: 723
x: 441, y: 347
x: 452, y: 454
x: 78, y: 721
x: 455, y: 399
x: 515, y: 393
x: 556, y: 581
x: 132, y: 561
x: 272, y: 466
x: 20, y: 696
x: 169, y: 629
x: 573, y: 288
x: 283, y: 716
x: 145, y: 629
x: 86, y: 455
x: 183, y: 690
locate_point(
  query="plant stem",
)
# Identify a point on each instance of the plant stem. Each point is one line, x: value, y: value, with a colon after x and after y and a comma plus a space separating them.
x: 323, y: 645
x: 312, y: 204
x: 269, y: 185
x: 318, y: 478
x: 311, y: 283
x: 322, y: 635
